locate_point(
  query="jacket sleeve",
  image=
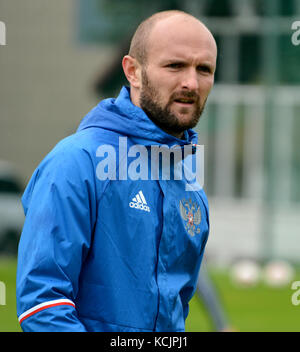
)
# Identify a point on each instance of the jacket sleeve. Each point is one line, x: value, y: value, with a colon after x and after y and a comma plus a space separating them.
x: 60, y: 208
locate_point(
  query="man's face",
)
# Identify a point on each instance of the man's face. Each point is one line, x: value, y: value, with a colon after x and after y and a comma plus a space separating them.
x: 178, y: 76
x: 162, y: 115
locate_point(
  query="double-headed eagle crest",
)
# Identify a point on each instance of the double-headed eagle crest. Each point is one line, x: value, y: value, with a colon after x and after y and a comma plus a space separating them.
x: 191, y: 214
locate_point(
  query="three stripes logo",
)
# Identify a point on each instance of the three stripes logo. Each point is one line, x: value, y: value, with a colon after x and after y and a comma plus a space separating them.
x: 139, y: 202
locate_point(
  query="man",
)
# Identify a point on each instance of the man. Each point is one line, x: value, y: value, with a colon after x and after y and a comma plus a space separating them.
x: 113, y: 249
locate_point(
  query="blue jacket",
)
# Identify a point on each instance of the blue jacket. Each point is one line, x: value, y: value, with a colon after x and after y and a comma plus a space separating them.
x: 109, y: 253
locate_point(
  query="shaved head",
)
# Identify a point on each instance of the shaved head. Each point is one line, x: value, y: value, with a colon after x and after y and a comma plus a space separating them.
x: 140, y: 40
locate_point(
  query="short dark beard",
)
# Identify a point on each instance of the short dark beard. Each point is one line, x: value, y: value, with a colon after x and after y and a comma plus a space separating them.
x: 162, y: 116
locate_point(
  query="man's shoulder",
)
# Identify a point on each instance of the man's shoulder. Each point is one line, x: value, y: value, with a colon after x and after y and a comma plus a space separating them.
x: 78, y: 150
x: 86, y: 140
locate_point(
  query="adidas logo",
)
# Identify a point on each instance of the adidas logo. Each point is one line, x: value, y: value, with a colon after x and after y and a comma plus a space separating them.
x: 139, y: 202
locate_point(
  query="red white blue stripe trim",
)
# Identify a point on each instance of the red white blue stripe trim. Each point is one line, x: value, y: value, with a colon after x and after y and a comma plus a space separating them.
x: 45, y: 305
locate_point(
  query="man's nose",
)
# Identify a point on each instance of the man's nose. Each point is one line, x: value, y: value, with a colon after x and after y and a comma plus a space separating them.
x: 190, y: 80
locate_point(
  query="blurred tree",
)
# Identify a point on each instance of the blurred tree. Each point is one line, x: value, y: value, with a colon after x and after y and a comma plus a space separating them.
x: 249, y: 58
x: 105, y: 21
x: 289, y: 59
x: 113, y: 22
x: 217, y: 8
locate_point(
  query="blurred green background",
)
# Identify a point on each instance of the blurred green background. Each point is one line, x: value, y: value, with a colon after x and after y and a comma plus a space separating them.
x: 61, y: 58
x: 253, y: 309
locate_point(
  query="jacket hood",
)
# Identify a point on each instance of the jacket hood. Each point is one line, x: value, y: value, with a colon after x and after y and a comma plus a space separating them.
x: 122, y: 116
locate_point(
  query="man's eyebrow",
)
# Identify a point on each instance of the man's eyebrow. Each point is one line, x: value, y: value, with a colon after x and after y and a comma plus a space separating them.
x: 174, y: 60
x: 181, y: 61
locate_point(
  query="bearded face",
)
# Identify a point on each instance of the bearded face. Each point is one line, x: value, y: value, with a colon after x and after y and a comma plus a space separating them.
x: 175, y: 113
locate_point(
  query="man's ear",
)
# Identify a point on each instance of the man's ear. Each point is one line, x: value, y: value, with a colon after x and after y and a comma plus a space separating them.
x: 132, y: 70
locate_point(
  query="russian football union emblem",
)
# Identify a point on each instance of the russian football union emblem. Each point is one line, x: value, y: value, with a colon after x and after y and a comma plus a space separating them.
x: 191, y: 214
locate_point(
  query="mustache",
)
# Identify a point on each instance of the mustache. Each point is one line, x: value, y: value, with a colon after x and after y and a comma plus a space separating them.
x: 185, y: 95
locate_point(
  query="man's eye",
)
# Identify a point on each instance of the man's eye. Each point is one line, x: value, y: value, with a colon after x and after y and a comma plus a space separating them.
x: 204, y: 68
x: 175, y: 65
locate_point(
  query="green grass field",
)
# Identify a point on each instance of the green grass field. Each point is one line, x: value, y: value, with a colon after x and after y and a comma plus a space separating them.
x: 254, y: 309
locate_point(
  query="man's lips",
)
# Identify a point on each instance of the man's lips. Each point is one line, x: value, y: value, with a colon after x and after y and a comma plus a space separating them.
x: 186, y: 98
x: 184, y: 101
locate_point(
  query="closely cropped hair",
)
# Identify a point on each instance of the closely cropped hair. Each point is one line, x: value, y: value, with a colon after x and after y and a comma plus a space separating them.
x: 139, y: 41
